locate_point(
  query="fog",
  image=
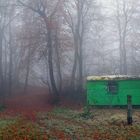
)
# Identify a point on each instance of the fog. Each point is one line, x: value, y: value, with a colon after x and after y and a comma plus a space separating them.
x: 57, y: 44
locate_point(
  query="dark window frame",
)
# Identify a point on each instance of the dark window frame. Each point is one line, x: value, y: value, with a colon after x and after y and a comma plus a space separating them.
x: 112, y: 87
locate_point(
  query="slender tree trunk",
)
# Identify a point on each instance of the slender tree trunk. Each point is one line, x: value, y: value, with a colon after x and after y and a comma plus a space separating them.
x: 1, y: 68
x: 10, y: 61
x: 80, y: 67
x: 121, y: 62
x: 27, y: 71
x: 50, y: 55
x: 5, y: 61
x: 80, y: 33
x: 122, y: 37
x: 124, y: 51
x: 72, y: 83
x: 120, y: 46
x: 57, y: 44
x: 51, y: 70
x: 1, y: 43
x: 124, y: 62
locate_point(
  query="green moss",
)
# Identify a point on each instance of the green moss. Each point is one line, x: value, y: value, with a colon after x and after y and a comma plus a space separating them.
x: 4, y: 123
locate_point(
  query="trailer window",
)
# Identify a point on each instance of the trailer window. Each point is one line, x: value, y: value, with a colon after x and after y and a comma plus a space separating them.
x: 112, y: 87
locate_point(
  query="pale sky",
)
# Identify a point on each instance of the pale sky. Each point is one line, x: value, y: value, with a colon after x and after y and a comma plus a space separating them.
x: 107, y: 2
x: 107, y: 5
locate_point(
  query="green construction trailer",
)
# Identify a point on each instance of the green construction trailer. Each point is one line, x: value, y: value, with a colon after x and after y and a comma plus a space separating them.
x: 112, y: 90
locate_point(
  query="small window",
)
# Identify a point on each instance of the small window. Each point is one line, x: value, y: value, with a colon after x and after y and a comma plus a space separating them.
x: 112, y: 87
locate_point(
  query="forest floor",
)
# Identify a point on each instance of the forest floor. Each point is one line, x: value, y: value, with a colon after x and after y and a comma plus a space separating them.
x: 32, y: 117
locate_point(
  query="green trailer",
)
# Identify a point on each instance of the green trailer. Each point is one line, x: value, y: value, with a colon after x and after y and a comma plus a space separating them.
x: 112, y: 90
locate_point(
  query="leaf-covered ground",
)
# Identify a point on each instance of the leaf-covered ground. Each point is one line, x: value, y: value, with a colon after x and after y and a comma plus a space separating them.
x: 32, y: 117
x: 66, y: 124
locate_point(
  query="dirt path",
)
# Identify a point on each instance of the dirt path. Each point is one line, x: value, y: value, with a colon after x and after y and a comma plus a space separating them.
x: 35, y: 100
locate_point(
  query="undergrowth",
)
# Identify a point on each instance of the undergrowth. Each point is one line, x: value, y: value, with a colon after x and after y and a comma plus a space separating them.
x: 66, y: 124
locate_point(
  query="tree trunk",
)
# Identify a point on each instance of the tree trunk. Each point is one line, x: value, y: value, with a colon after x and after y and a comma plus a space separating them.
x: 27, y: 71
x: 80, y: 67
x: 51, y: 70
x: 80, y: 33
x: 1, y: 68
x: 49, y: 46
x: 72, y: 83
x: 10, y: 61
x: 57, y: 44
x: 1, y: 71
x: 124, y: 50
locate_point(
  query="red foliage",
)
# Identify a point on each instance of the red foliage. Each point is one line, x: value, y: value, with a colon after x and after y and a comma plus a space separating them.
x: 28, y: 104
x: 36, y: 100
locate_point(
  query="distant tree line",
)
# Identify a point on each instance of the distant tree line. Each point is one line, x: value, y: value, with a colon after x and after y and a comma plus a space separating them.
x: 58, y: 43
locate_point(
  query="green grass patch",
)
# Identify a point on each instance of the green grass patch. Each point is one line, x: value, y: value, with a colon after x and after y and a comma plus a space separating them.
x: 5, y: 123
x: 61, y: 111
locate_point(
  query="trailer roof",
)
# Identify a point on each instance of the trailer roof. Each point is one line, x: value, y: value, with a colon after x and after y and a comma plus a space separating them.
x: 111, y: 77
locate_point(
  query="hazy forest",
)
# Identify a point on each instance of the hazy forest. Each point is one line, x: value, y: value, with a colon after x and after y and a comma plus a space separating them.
x: 48, y: 48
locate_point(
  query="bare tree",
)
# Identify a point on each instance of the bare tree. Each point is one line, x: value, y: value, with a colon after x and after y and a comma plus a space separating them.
x: 123, y: 18
x: 40, y: 7
x: 78, y: 23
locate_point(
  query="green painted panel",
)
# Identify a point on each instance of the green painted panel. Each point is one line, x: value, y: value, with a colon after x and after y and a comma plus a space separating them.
x: 98, y: 94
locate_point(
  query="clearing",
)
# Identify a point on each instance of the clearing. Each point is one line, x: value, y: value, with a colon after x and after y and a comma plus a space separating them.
x: 31, y: 117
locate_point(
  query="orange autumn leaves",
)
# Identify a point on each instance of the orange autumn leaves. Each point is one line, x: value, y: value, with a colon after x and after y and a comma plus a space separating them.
x: 64, y: 124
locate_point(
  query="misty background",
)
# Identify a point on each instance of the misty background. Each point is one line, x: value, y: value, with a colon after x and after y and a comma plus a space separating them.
x: 57, y: 44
